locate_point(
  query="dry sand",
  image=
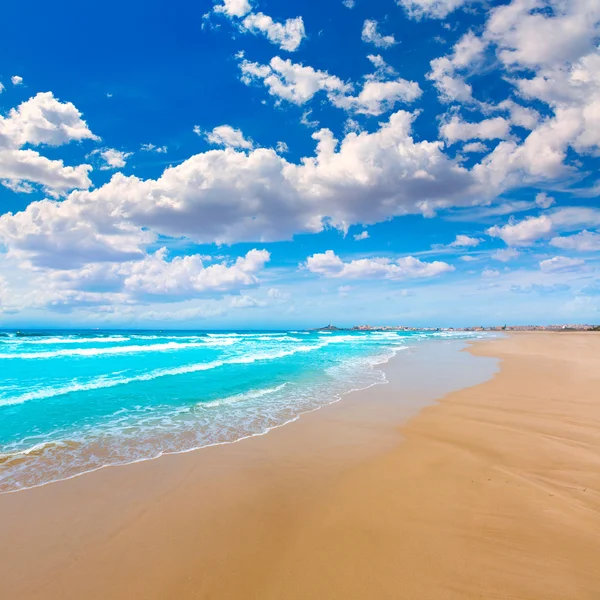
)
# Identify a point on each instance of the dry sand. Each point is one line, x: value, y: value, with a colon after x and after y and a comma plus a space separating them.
x: 494, y: 492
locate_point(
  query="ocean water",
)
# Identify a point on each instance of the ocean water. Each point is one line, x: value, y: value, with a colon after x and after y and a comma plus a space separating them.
x: 76, y: 401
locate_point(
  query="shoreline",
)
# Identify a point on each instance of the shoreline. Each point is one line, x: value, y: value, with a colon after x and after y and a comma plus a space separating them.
x: 360, y: 486
x: 339, y: 396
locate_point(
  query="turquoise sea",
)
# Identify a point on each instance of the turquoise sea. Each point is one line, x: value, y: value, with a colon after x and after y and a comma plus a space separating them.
x: 76, y: 401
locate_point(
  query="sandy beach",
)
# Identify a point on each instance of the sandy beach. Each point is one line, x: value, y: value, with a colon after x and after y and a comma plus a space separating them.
x: 491, y: 492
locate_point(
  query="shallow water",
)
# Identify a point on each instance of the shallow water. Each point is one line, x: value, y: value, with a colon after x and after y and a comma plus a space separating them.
x: 72, y: 402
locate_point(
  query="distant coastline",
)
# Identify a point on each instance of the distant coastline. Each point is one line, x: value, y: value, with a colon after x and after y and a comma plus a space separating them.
x: 559, y: 327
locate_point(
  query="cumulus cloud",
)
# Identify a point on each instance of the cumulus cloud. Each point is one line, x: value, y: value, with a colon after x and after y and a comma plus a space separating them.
x: 584, y: 241
x: 298, y: 84
x: 475, y: 147
x: 187, y: 276
x: 227, y: 196
x: 448, y: 72
x: 529, y: 37
x: 290, y: 81
x: 560, y: 264
x: 42, y: 120
x: 489, y: 129
x: 549, y: 50
x: 225, y: 135
x: 249, y: 196
x: 16, y: 80
x: 153, y: 277
x: 363, y: 235
x: 288, y: 36
x: 432, y: 9
x: 524, y: 232
x: 112, y: 158
x: 329, y: 264
x: 464, y: 241
x: 371, y: 35
x: 531, y: 229
x: 234, y: 8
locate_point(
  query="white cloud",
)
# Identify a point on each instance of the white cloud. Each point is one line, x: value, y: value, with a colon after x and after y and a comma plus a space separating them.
x: 282, y: 148
x: 475, y: 147
x: 523, y: 116
x: 524, y: 232
x: 17, y: 186
x: 377, y: 97
x: 16, y: 80
x: 1, y: 87
x: 584, y: 241
x: 549, y: 49
x: 370, y: 34
x: 234, y: 8
x: 468, y: 258
x: 18, y: 166
x: 464, y: 241
x: 292, y: 81
x: 544, y: 201
x: 288, y: 36
x: 42, y: 120
x: 489, y: 129
x: 245, y: 302
x: 150, y: 278
x: 506, y: 254
x: 528, y: 36
x: 153, y: 148
x: 298, y: 84
x: 432, y: 9
x: 382, y: 69
x: 249, y: 196
x: 113, y: 158
x: 329, y: 264
x: 349, y: 3
x: 529, y: 230
x: 187, y: 275
x: 306, y: 121
x: 560, y: 264
x: 451, y: 85
x: 490, y: 273
x: 225, y: 135
x: 363, y: 235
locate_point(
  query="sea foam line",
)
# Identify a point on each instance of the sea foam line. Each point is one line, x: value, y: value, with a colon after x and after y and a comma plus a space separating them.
x: 183, y: 370
x: 107, y: 351
x: 251, y: 395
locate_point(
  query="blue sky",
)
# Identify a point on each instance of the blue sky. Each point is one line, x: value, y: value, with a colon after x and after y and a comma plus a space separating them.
x: 256, y: 163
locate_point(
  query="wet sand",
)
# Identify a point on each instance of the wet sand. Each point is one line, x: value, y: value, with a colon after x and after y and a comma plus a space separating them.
x: 494, y: 492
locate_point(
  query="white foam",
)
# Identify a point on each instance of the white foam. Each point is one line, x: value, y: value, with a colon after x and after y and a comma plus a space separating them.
x: 251, y: 395
x: 105, y: 382
x: 165, y: 347
x: 75, y: 340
